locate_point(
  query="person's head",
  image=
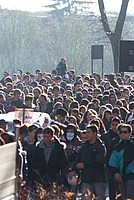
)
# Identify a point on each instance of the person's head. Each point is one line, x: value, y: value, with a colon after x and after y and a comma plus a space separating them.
x: 101, y: 111
x: 97, y: 78
x: 63, y: 60
x: 28, y: 100
x: 118, y: 103
x: 74, y: 104
x: 26, y: 79
x: 107, y: 85
x: 42, y: 99
x: 5, y: 74
x: 39, y: 76
x: 58, y: 99
x: 112, y: 98
x: 20, y: 86
x: 3, y: 124
x: 8, y: 79
x: 85, y: 93
x: 32, y: 131
x: 82, y: 109
x: 61, y: 113
x: 43, y: 82
x: 83, y: 137
x: 107, y: 114
x: 125, y: 132
x: 72, y: 120
x: 96, y: 122
x: 96, y: 92
x: 39, y: 134
x: 92, y: 81
x: 36, y: 92
x: 114, y: 123
x: 70, y: 132
x: 56, y: 90
x: 115, y: 112
x: 131, y: 107
x: 16, y: 123
x: 23, y: 131
x: 57, y: 105
x: 87, y: 116
x: 48, y: 135
x: 17, y: 94
x: 118, y: 128
x: 105, y: 99
x: 96, y: 103
x: 84, y: 102
x: 67, y: 103
x: 91, y: 133
x: 9, y: 87
x: 75, y: 112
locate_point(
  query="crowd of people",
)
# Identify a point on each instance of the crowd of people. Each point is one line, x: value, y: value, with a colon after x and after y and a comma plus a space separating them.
x: 91, y: 134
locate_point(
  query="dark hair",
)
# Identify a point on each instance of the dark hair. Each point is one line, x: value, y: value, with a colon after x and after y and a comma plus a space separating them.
x: 28, y: 97
x: 131, y: 105
x: 38, y: 131
x: 23, y: 130
x: 32, y: 128
x: 129, y: 128
x: 116, y: 119
x: 48, y: 130
x: 93, y: 128
x: 17, y: 121
x: 16, y: 91
x: 84, y: 102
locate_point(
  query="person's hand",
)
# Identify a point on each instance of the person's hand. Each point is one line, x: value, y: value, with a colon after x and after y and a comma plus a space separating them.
x: 80, y: 165
x: 118, y: 177
x: 71, y: 174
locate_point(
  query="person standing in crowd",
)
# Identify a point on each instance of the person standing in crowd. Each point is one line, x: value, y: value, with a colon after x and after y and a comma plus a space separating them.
x: 90, y: 161
x: 49, y: 159
x: 107, y: 138
x: 62, y: 67
x: 121, y: 163
x: 17, y: 101
x: 44, y: 105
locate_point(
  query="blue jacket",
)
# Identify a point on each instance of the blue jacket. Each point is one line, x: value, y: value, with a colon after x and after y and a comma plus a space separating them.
x: 122, y: 159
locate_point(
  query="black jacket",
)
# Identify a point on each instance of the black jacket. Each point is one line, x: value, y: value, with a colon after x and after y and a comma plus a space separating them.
x: 57, y: 161
x: 109, y: 138
x: 92, y: 155
x: 61, y: 69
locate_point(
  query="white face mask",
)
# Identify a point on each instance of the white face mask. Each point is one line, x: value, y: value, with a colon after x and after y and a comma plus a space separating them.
x: 39, y: 137
x: 70, y: 136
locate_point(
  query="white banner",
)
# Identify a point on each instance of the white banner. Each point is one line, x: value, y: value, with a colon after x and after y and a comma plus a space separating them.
x: 7, y: 170
x: 41, y: 119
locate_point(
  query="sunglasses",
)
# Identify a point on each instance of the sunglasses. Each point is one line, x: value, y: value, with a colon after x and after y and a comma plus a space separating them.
x: 125, y: 132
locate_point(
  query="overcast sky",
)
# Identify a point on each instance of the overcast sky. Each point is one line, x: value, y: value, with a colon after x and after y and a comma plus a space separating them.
x: 36, y: 5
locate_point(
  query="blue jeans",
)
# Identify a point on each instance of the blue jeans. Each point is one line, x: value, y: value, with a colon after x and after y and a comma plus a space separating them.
x: 96, y: 188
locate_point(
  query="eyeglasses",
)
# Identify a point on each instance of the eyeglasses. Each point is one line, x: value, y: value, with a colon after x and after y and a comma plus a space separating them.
x: 125, y: 132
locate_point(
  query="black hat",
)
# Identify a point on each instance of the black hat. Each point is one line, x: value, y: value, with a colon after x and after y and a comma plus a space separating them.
x: 61, y: 111
x: 2, y: 121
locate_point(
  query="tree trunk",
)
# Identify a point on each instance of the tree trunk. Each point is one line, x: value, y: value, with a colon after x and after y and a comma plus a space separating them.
x: 115, y: 36
x: 115, y: 44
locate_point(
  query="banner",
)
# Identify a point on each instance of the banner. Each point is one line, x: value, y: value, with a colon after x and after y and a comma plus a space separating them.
x: 24, y: 115
x: 30, y: 117
x: 7, y: 170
